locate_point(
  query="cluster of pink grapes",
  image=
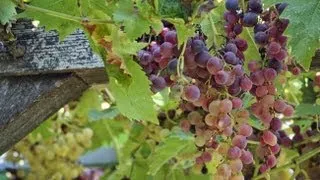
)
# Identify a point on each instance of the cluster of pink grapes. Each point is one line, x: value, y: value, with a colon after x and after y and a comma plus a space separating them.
x: 211, y: 97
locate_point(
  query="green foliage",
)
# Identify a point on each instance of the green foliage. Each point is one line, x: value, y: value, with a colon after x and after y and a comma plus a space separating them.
x: 89, y: 101
x: 169, y: 149
x: 212, y: 25
x: 135, y: 24
x: 164, y: 100
x: 63, y: 26
x: 307, y: 109
x: 132, y: 98
x: 303, y: 29
x: 7, y: 11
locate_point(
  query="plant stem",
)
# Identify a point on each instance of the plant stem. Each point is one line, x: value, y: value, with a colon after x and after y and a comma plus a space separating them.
x: 253, y: 142
x: 295, y: 162
x: 63, y: 15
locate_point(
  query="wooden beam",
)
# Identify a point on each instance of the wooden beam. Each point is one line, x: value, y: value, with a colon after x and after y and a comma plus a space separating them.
x: 36, y: 51
x: 25, y: 102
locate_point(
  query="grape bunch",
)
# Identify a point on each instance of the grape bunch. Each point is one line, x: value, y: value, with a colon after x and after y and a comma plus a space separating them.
x: 56, y: 156
x: 212, y: 86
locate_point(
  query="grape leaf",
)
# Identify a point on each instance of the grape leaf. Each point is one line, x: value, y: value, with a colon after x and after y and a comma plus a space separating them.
x: 7, y: 11
x: 135, y: 24
x: 170, y: 148
x: 110, y: 113
x: 214, y: 30
x: 307, y: 109
x: 90, y: 100
x: 132, y: 98
x: 304, y: 28
x: 164, y: 100
x: 63, y: 26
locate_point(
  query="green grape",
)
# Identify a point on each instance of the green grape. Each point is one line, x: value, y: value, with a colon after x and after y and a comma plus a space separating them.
x: 200, y: 141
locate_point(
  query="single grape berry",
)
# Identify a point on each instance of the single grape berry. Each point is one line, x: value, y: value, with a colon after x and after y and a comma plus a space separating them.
x: 245, y: 130
x: 192, y: 93
x: 234, y: 152
x: 232, y: 5
x: 158, y: 83
x: 273, y: 48
x: 246, y: 157
x: 271, y: 161
x: 246, y: 84
x: 171, y: 37
x: 239, y: 141
x: 260, y: 27
x: 236, y: 166
x: 261, y: 38
x: 237, y: 29
x: 241, y: 44
x: 197, y: 46
x: 202, y: 58
x: 250, y: 19
x: 269, y: 138
x: 255, y: 6
x: 296, y: 71
x: 214, y: 65
x: 166, y: 49
x: 231, y: 47
x: 236, y: 103
x: 276, y: 124
x: 231, y: 58
x: 221, y: 77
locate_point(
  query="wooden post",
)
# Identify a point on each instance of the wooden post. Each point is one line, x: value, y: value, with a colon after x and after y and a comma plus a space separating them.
x: 38, y: 75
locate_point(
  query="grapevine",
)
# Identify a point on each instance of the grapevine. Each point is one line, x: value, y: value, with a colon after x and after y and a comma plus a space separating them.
x: 206, y: 90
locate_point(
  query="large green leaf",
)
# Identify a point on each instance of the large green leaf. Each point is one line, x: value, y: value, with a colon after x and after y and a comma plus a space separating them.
x: 307, y: 109
x: 63, y: 25
x: 7, y: 11
x: 303, y: 29
x: 169, y: 149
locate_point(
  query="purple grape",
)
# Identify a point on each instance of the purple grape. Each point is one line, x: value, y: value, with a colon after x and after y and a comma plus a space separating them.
x: 257, y: 78
x: 255, y: 6
x: 214, y: 65
x: 166, y: 49
x: 276, y: 65
x: 197, y: 46
x: 221, y: 77
x: 158, y: 83
x: 261, y: 38
x: 232, y: 5
x: 260, y: 28
x: 171, y: 37
x: 281, y: 6
x: 276, y: 124
x: 202, y: 58
x: 241, y: 44
x: 231, y: 47
x: 238, y: 70
x: 192, y: 93
x: 250, y: 19
x: 237, y: 29
x: 234, y: 152
x: 231, y: 58
x: 239, y: 141
x: 246, y: 157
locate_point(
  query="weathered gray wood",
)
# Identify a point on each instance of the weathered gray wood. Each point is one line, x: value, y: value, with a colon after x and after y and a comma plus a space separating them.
x: 25, y: 102
x: 36, y: 51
